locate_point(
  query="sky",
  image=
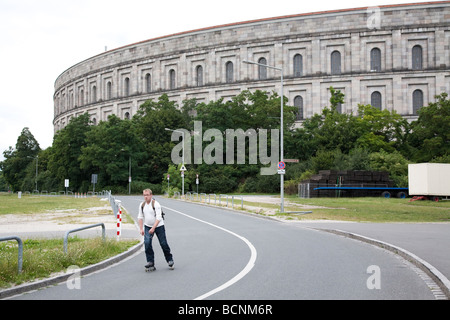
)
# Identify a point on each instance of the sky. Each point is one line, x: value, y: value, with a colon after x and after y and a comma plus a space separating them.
x: 41, y: 39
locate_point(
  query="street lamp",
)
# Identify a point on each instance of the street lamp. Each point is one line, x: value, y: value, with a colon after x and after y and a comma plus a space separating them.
x: 281, y: 125
x: 182, y: 173
x: 129, y: 170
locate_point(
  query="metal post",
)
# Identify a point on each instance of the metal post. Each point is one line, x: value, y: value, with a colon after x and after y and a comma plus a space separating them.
x: 20, y: 255
x: 182, y: 175
x: 281, y: 128
x: 66, y: 236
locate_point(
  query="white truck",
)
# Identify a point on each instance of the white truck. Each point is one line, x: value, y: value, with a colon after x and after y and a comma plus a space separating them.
x: 429, y: 180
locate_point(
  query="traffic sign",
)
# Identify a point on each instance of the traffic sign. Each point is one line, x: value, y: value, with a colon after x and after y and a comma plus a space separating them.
x: 281, y: 165
x: 183, y: 168
x: 281, y: 171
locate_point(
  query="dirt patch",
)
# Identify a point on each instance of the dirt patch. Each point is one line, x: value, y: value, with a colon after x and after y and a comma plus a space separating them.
x: 60, y: 220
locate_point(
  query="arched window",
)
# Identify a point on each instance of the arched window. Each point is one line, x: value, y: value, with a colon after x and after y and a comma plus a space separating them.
x: 126, y: 87
x: 298, y: 103
x: 109, y: 90
x: 336, y: 62
x: 298, y: 65
x: 172, y: 79
x: 148, y: 83
x: 262, y: 70
x: 127, y: 115
x: 417, y: 58
x: 417, y: 100
x: 376, y: 100
x: 199, y: 76
x: 229, y: 72
x: 375, y: 60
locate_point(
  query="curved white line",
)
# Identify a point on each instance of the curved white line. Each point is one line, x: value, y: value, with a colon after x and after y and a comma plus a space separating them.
x: 240, y: 275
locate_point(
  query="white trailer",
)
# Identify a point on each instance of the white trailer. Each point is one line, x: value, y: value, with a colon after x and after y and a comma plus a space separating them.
x: 431, y: 180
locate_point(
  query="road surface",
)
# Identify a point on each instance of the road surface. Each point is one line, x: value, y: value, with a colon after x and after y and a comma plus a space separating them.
x: 221, y: 254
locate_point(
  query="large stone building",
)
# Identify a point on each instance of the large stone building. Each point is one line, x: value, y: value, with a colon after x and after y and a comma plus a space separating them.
x: 394, y: 57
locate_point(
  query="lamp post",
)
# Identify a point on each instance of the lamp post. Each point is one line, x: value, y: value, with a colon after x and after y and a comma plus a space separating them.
x: 129, y: 171
x: 182, y: 173
x: 281, y: 125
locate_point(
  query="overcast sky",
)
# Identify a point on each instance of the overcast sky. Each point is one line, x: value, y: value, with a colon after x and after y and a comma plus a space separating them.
x: 41, y: 39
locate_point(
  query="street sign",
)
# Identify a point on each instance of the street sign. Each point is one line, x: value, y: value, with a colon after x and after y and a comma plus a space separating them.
x: 281, y: 171
x: 183, y: 168
x: 281, y: 165
x: 291, y: 160
x: 94, y: 178
x: 66, y: 183
x: 168, y: 177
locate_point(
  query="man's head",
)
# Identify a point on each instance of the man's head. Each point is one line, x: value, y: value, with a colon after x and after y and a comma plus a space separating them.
x: 147, y: 195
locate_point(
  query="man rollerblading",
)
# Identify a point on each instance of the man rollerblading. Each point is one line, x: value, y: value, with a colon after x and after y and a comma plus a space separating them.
x: 151, y: 222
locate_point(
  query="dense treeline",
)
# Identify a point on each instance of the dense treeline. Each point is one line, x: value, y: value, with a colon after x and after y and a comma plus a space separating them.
x: 372, y: 139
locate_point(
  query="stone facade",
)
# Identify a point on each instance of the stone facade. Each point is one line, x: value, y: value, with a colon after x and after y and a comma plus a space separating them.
x: 393, y: 57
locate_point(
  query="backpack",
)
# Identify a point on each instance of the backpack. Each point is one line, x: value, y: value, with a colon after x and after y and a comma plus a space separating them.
x: 154, y: 210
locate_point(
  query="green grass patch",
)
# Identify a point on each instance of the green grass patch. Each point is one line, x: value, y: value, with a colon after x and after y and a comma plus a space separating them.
x: 373, y: 209
x: 28, y: 204
x: 42, y: 258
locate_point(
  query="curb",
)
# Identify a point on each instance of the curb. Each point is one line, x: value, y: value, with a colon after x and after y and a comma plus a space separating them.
x: 431, y: 271
x: 57, y: 279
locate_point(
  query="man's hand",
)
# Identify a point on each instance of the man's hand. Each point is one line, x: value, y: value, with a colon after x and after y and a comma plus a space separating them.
x: 152, y: 230
x: 142, y: 232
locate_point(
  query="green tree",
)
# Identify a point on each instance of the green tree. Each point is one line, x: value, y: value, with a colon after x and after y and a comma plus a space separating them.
x: 151, y: 120
x: 430, y: 137
x: 64, y: 160
x: 109, y: 148
x: 16, y: 160
x: 380, y: 129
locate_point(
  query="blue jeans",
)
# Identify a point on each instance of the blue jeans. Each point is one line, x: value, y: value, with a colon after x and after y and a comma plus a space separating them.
x: 161, y: 234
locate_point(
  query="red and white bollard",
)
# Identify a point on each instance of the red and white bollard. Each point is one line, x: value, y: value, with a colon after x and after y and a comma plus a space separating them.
x: 119, y: 220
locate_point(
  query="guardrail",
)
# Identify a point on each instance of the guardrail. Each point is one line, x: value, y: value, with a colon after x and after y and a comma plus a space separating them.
x: 20, y: 258
x: 206, y: 198
x: 66, y: 236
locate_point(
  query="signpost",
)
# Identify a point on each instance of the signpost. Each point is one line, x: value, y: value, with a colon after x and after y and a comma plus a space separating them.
x: 281, y: 167
x: 197, y: 183
x: 94, y: 178
x: 66, y: 184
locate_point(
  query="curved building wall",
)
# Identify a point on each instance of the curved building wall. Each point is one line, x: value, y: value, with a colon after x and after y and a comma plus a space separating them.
x: 393, y: 57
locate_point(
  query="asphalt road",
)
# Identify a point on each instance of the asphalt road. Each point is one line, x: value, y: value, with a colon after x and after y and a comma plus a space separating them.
x: 221, y: 254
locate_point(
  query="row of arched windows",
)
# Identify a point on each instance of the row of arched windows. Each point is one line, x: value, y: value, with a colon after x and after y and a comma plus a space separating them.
x: 297, y: 63
x: 376, y: 100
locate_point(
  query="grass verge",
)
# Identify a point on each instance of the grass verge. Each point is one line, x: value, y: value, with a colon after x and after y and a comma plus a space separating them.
x: 371, y: 210
x: 42, y: 258
x: 28, y: 204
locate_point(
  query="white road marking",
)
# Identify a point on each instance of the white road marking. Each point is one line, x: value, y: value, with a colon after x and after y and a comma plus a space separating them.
x: 240, y: 275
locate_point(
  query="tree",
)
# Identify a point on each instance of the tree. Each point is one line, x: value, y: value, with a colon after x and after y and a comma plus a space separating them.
x: 64, y: 160
x: 381, y: 129
x: 16, y: 160
x: 151, y: 120
x: 109, y: 147
x: 430, y: 137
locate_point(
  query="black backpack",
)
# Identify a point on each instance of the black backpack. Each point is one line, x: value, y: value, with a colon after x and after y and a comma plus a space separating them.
x: 154, y: 210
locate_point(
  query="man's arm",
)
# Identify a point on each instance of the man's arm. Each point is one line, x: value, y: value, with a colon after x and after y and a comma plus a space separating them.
x: 157, y: 216
x: 141, y: 226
